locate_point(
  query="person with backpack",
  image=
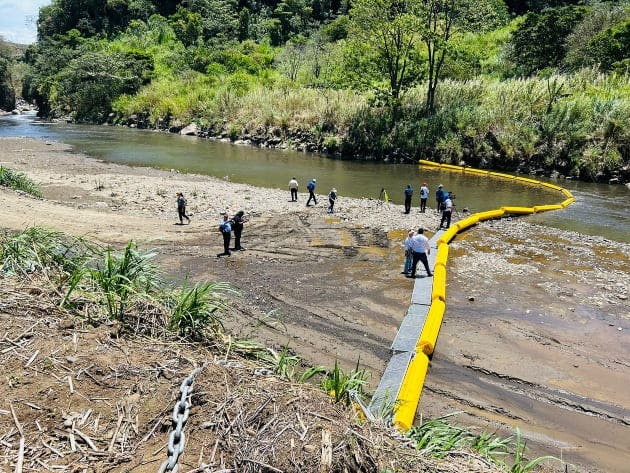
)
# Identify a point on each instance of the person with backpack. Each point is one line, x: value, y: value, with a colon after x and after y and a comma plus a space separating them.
x: 225, y: 227
x: 311, y: 192
x: 439, y: 197
x: 408, y: 195
x: 181, y: 208
x: 424, y: 195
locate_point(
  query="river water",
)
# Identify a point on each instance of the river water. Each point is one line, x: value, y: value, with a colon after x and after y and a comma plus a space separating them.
x: 599, y: 209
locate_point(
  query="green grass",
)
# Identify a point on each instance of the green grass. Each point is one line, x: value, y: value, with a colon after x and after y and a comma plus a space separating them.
x: 18, y: 181
x: 342, y: 385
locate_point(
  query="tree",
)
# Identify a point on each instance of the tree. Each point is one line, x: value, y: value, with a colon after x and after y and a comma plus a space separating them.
x: 392, y: 28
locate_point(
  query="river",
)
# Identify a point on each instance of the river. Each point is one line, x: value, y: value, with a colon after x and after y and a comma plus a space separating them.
x: 599, y: 209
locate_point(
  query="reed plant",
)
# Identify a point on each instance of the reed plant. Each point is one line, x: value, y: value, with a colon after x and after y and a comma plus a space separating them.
x: 19, y: 181
x: 342, y: 385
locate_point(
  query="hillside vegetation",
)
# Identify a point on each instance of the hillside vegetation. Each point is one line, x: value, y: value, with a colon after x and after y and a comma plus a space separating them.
x: 539, y: 86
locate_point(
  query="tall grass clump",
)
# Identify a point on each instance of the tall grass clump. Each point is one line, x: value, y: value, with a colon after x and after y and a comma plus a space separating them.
x: 196, y: 310
x: 119, y: 277
x: 19, y: 181
x: 342, y: 385
x: 437, y: 437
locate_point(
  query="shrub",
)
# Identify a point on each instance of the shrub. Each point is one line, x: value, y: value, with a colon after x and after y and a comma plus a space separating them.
x: 18, y: 181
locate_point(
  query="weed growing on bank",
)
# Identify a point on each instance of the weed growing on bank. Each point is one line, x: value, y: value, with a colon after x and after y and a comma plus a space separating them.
x: 18, y: 181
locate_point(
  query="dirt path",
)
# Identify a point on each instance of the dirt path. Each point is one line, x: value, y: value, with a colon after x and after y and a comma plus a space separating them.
x: 539, y: 347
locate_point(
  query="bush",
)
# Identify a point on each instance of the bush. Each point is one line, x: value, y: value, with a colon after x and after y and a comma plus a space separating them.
x: 18, y: 181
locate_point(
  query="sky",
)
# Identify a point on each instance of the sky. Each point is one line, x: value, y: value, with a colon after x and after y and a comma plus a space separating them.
x: 18, y: 19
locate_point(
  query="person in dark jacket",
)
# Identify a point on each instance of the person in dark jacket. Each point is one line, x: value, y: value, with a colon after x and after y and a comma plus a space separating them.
x: 181, y: 208
x: 439, y: 197
x: 408, y: 195
x: 225, y: 227
x: 311, y: 192
x: 237, y: 226
x: 332, y: 198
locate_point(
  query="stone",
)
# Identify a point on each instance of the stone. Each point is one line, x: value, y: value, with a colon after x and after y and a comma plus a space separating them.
x: 190, y: 130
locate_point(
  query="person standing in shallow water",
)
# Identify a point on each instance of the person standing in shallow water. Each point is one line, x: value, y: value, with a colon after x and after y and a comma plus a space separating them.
x: 181, y: 208
x: 408, y: 195
x: 332, y: 198
x: 237, y: 226
x: 225, y: 227
x: 293, y: 187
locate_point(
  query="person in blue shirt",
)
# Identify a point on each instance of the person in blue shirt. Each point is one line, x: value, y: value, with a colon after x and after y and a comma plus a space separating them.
x: 225, y: 227
x: 311, y: 192
x: 408, y: 194
x: 424, y: 195
x: 332, y: 198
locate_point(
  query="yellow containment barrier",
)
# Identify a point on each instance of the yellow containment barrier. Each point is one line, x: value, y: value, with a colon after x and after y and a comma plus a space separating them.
x: 424, y: 162
x: 442, y: 255
x: 439, y: 284
x: 567, y: 202
x: 451, y: 166
x: 468, y: 222
x: 567, y: 194
x: 518, y: 210
x: 552, y: 186
x: 528, y: 180
x: 449, y: 234
x: 431, y: 329
x: 490, y: 214
x: 476, y: 171
x: 546, y: 208
x: 500, y: 174
x: 409, y: 395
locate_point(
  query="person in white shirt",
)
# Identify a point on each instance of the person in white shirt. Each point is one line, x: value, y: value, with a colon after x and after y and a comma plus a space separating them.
x: 447, y: 210
x: 420, y: 248
x: 293, y: 187
x: 424, y: 195
x: 408, y: 253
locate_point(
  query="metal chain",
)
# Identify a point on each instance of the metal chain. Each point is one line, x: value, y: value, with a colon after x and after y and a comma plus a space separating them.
x: 181, y: 411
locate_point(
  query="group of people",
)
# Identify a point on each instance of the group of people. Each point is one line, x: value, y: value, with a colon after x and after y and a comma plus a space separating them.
x: 227, y: 225
x: 444, y: 202
x: 293, y: 188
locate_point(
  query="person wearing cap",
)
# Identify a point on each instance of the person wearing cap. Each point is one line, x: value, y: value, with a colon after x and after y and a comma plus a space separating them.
x: 225, y: 227
x: 408, y: 253
x: 447, y: 210
x: 439, y: 197
x: 332, y: 197
x: 293, y: 187
x: 311, y: 192
x: 181, y: 208
x: 408, y: 195
x: 420, y: 249
x: 424, y: 195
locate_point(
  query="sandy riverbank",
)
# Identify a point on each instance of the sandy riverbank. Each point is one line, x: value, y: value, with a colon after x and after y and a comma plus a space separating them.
x: 539, y: 347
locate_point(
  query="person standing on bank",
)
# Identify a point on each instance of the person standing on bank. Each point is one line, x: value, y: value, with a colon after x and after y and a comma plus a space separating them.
x: 293, y: 187
x: 225, y: 227
x: 311, y: 192
x: 424, y: 195
x: 181, y: 208
x: 420, y: 249
x: 237, y: 226
x: 439, y: 197
x: 408, y: 253
x: 447, y: 210
x: 408, y: 194
x: 332, y: 198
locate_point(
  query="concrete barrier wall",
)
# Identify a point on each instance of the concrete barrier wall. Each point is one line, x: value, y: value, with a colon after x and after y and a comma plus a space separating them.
x: 413, y: 381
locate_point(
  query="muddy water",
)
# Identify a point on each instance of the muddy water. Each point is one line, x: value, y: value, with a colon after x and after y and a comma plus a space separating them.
x: 599, y: 210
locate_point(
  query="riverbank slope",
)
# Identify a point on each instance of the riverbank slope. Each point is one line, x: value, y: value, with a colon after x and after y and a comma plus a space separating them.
x: 331, y: 288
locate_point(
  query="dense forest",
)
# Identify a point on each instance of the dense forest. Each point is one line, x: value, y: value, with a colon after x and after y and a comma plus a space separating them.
x: 535, y: 86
